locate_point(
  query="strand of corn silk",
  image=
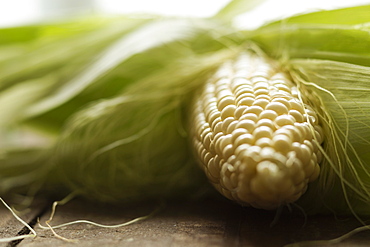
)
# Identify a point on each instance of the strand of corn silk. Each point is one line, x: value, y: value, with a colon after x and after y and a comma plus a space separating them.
x: 133, y: 147
x: 33, y: 233
x: 329, y: 241
x: 344, y: 186
x: 69, y: 198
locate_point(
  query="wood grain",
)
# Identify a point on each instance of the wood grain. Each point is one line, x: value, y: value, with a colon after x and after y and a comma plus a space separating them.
x: 212, y: 222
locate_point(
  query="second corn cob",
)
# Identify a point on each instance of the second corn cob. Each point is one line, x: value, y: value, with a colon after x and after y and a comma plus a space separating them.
x: 256, y: 136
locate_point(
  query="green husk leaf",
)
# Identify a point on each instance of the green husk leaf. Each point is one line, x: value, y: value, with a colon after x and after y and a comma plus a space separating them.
x: 236, y: 7
x: 344, y: 184
x: 154, y: 34
x: 56, y: 54
x: 51, y: 31
x: 16, y: 99
x: 129, y: 59
x: 319, y: 36
x: 358, y: 15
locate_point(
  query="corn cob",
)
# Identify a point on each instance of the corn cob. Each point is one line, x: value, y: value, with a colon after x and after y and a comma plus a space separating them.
x: 255, y: 136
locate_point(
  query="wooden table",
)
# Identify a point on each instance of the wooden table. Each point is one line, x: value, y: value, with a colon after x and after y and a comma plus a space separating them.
x: 210, y: 222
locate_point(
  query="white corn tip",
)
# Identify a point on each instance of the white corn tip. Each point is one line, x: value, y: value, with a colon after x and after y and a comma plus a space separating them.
x: 256, y: 140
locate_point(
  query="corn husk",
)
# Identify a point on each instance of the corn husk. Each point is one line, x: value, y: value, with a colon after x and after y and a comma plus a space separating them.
x: 131, y: 95
x: 111, y: 118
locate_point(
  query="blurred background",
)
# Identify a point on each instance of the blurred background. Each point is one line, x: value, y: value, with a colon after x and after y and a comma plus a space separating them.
x: 20, y: 12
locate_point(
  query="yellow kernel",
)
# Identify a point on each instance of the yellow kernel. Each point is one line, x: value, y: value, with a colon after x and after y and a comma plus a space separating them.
x: 297, y: 115
x: 302, y: 152
x: 280, y: 94
x: 228, y: 151
x: 249, y: 116
x: 240, y: 149
x: 216, y: 121
x: 260, y: 74
x: 263, y: 96
x: 263, y: 142
x: 203, y: 152
x: 207, y: 157
x: 222, y: 81
x: 228, y: 111
x: 247, y: 168
x: 234, y: 179
x: 281, y: 86
x: 246, y: 90
x: 306, y: 153
x: 297, y: 171
x: 319, y: 133
x: 231, y: 127
x: 222, y: 93
x: 254, y: 109
x: 268, y: 114
x: 267, y: 167
x: 284, y: 120
x: 228, y: 100
x: 258, y: 79
x: 213, y: 116
x: 238, y: 82
x: 225, y: 140
x: 319, y: 157
x: 315, y: 173
x: 261, y: 92
x: 244, y: 139
x: 239, y: 111
x: 261, y: 102
x: 206, y: 140
x: 219, y: 161
x: 284, y: 100
x: 232, y: 159
x: 308, y: 144
x: 305, y: 130
x: 296, y: 132
x: 217, y: 127
x: 262, y: 131
x: 226, y: 183
x: 281, y: 143
x: 265, y: 122
x: 277, y: 107
x: 243, y: 95
x: 241, y: 73
x: 210, y: 109
x: 247, y: 124
x: 236, y: 133
x: 261, y: 85
x: 268, y: 153
x: 284, y: 131
x: 217, y: 136
x: 218, y: 146
x: 295, y: 92
x: 213, y: 169
x: 247, y: 101
x: 253, y: 152
x: 226, y: 122
x: 310, y: 168
x: 296, y: 105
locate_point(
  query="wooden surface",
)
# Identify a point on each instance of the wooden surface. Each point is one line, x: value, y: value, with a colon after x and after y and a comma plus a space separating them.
x: 206, y: 223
